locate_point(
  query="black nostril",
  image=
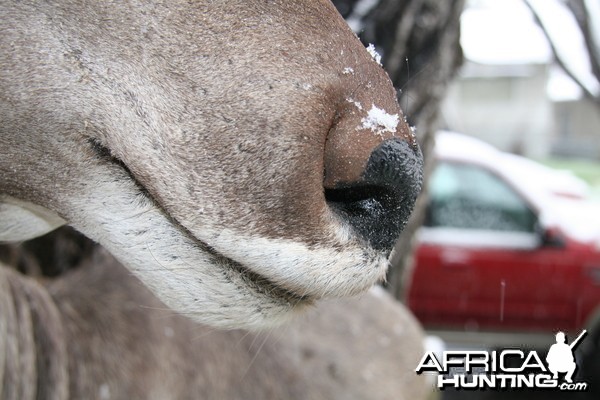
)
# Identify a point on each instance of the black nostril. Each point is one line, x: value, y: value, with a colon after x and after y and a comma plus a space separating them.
x: 379, y: 204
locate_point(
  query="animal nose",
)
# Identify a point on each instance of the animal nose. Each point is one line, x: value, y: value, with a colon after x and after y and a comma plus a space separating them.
x: 374, y: 193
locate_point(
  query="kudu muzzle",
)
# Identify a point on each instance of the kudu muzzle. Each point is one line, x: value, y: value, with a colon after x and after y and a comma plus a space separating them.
x: 372, y: 182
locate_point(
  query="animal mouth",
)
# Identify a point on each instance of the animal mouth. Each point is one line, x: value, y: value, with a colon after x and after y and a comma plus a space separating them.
x: 233, y: 270
x: 253, y: 280
x: 256, y: 283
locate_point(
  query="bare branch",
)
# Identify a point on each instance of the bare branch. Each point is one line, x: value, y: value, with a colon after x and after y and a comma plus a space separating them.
x: 558, y: 57
x: 584, y: 18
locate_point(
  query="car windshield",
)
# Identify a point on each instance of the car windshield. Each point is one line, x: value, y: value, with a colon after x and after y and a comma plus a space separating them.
x: 470, y: 197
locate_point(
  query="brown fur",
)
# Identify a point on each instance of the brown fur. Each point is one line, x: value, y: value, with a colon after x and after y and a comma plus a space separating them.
x: 97, y: 332
x: 191, y: 139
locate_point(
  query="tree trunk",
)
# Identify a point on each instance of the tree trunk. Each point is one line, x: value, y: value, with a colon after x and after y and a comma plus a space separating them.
x: 419, y: 44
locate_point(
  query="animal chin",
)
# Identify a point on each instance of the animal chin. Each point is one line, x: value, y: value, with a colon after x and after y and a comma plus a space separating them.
x: 220, y: 276
x: 309, y: 273
x: 288, y: 276
x: 258, y: 283
x: 212, y: 288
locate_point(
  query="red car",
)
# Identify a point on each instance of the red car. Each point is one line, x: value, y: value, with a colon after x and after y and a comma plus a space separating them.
x: 509, y: 252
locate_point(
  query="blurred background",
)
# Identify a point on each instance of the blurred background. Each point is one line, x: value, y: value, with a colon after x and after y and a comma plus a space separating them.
x: 503, y: 249
x: 528, y: 84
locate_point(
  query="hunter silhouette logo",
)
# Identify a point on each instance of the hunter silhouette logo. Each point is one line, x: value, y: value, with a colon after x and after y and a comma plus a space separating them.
x: 560, y: 356
x: 508, y: 368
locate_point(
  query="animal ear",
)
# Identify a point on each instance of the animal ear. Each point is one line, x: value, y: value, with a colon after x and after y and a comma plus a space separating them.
x: 22, y: 220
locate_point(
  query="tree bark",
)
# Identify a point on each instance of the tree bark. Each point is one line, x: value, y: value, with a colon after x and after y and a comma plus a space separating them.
x: 419, y: 44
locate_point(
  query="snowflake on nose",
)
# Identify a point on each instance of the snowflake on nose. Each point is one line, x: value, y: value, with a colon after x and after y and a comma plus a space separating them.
x: 379, y: 121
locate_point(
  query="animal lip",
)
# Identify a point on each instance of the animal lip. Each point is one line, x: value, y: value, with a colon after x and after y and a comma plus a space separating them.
x: 266, y: 286
x: 254, y: 281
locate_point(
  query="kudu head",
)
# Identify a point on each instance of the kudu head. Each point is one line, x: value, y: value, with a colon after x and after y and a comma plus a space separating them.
x: 243, y: 158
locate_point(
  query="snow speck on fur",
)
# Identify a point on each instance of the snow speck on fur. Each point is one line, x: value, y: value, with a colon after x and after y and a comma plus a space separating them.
x: 379, y: 121
x: 348, y: 70
x: 374, y: 53
x: 413, y: 131
x: 356, y: 103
